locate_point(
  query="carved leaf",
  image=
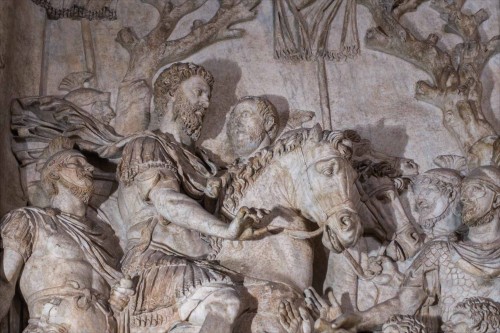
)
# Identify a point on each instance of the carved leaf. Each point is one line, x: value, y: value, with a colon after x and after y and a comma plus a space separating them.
x: 75, y: 80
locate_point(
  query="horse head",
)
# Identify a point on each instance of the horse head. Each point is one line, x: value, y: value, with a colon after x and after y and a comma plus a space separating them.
x: 306, y: 175
x: 324, y: 187
x: 380, y: 183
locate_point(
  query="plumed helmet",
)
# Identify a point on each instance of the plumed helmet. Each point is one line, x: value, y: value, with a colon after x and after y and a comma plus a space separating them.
x: 449, y: 176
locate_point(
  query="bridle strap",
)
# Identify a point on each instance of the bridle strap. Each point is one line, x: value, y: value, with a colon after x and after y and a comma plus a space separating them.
x: 328, y: 212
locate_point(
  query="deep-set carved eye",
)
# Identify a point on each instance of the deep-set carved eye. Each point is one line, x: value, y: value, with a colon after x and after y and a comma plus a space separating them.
x: 327, y: 168
x: 474, y: 190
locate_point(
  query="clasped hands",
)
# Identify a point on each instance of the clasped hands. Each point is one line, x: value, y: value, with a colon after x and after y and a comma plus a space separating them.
x: 246, y: 224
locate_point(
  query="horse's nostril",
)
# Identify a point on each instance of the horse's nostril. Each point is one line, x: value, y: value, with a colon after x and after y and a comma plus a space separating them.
x: 345, y: 221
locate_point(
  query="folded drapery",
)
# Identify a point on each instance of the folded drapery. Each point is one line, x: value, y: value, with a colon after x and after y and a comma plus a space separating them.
x: 307, y: 29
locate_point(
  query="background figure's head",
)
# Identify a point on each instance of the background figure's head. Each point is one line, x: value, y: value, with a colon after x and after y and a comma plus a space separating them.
x: 253, y: 122
x: 185, y: 89
x: 474, y: 315
x: 481, y: 196
x: 67, y: 168
x: 403, y: 324
x: 437, y: 193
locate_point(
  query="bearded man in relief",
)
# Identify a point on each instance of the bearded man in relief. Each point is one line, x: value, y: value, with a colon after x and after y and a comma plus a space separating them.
x: 62, y: 259
x: 437, y: 202
x: 462, y: 268
x: 161, y: 185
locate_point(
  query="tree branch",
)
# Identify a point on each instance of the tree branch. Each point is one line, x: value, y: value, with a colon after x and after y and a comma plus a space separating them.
x: 392, y: 38
x: 127, y: 38
x: 155, y: 50
x: 406, y: 6
x: 217, y: 29
x: 170, y: 15
x: 492, y: 48
x: 456, y: 88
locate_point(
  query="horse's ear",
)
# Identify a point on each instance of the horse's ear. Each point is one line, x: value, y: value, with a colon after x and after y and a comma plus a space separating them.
x: 316, y: 133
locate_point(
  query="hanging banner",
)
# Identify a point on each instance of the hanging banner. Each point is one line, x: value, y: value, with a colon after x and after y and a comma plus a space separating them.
x: 303, y: 29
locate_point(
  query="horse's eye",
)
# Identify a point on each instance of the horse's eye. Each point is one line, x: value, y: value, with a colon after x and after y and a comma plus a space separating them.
x: 327, y: 172
x: 327, y: 168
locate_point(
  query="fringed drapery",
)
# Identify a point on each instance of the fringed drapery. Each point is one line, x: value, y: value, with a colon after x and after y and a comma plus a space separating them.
x: 306, y: 29
x: 79, y: 9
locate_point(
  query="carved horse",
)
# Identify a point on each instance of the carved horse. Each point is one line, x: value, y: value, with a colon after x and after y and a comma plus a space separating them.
x: 364, y: 279
x: 306, y: 176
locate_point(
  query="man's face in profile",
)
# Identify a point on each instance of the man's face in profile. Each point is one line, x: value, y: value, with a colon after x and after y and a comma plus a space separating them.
x: 191, y: 101
x: 76, y: 175
x: 477, y: 200
x: 430, y: 202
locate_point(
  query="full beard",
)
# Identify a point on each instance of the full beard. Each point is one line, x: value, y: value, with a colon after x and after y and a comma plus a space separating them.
x: 191, y: 115
x: 470, y: 220
x: 81, y: 192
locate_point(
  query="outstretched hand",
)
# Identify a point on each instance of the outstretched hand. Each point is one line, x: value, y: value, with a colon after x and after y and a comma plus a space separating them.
x: 347, y: 323
x: 293, y: 320
x: 245, y: 225
x: 322, y: 309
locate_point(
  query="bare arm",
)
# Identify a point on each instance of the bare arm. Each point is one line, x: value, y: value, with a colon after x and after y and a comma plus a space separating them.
x: 407, y: 302
x: 180, y: 209
x: 161, y: 187
x: 12, y: 263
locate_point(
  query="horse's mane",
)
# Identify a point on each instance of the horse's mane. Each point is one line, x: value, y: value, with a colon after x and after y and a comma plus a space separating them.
x: 242, y: 175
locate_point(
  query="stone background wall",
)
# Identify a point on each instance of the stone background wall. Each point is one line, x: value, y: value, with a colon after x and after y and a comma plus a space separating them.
x: 372, y: 93
x: 21, y: 48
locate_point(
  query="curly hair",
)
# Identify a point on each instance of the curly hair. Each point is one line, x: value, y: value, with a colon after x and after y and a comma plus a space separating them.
x: 482, y: 311
x: 169, y: 80
x: 448, y: 181
x: 242, y: 175
x: 405, y: 324
x: 268, y: 112
x: 53, y: 165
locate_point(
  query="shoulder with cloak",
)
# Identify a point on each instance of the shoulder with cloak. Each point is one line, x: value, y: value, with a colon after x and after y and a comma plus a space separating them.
x: 478, y: 259
x: 19, y: 228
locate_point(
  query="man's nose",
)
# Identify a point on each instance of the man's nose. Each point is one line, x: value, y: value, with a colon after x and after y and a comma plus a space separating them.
x: 204, y: 101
